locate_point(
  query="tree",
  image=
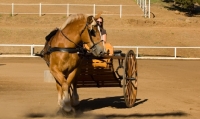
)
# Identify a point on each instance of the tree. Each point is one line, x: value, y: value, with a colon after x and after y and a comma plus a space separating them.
x: 187, y: 5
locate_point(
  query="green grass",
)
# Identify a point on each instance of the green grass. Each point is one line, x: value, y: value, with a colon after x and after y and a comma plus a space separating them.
x: 155, y: 1
x: 198, y: 1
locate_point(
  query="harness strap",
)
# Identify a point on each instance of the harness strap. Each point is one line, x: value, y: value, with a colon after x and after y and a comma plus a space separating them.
x: 69, y: 50
x: 96, y: 44
x: 69, y: 39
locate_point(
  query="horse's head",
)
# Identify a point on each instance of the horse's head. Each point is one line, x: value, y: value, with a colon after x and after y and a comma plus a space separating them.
x: 95, y: 42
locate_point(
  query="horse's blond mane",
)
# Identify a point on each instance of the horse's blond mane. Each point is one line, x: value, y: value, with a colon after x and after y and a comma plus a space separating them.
x: 72, y: 18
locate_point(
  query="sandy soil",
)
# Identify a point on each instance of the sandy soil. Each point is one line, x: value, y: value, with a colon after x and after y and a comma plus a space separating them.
x: 168, y: 89
x: 166, y: 29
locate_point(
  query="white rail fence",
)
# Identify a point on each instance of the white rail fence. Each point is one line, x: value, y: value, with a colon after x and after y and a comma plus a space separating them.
x: 139, y: 51
x: 146, y: 7
x: 67, y: 9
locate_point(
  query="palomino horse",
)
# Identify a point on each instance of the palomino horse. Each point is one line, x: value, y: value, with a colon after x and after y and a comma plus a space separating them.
x: 62, y: 53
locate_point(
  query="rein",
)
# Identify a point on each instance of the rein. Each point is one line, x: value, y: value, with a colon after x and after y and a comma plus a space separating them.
x: 94, y: 44
x: 71, y: 40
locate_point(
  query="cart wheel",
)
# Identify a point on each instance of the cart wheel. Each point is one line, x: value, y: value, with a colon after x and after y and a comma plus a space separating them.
x: 130, y: 79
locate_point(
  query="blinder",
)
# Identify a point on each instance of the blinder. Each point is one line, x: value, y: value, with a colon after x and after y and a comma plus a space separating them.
x: 92, y: 32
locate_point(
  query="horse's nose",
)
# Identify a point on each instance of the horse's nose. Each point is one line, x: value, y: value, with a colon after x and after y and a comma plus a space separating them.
x: 101, y: 53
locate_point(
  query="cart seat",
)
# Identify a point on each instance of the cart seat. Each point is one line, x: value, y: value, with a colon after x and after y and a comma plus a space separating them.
x: 119, y: 53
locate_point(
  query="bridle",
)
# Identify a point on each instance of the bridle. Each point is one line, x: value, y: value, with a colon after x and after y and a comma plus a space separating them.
x: 93, y: 47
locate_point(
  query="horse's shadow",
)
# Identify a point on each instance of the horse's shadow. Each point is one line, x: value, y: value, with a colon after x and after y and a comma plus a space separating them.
x: 113, y: 102
x: 88, y: 105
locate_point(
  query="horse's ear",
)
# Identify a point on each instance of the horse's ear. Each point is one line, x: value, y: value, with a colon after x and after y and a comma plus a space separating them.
x: 89, y: 19
x: 98, y: 15
x: 90, y: 22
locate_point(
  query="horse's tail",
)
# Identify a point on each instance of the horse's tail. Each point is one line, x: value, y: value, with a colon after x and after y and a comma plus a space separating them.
x: 39, y: 54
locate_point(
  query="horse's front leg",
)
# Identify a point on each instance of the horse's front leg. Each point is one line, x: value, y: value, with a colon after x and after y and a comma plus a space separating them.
x: 62, y: 87
x: 66, y: 96
x: 60, y: 94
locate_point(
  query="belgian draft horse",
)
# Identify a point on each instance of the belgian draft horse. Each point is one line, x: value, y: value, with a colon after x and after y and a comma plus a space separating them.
x: 62, y: 53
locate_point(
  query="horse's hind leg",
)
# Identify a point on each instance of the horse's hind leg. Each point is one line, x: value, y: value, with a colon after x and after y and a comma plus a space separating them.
x: 74, y: 97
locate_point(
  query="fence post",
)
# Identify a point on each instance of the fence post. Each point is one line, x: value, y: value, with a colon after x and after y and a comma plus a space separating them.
x: 175, y: 52
x: 120, y: 12
x: 94, y: 10
x: 149, y: 8
x: 137, y: 52
x: 145, y: 9
x: 32, y: 50
x: 67, y: 9
x: 40, y: 9
x: 143, y: 5
x: 12, y: 9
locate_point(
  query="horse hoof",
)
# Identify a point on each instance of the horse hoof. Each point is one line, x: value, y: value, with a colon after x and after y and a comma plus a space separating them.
x: 63, y: 113
x: 76, y: 107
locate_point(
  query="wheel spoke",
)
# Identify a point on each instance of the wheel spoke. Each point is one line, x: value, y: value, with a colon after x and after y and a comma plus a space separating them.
x: 130, y: 96
x: 131, y: 65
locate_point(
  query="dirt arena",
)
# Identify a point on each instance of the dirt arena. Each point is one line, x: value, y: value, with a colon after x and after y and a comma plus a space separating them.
x: 168, y: 89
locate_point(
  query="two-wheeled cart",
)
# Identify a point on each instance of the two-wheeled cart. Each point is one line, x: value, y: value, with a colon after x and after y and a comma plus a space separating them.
x: 100, y: 72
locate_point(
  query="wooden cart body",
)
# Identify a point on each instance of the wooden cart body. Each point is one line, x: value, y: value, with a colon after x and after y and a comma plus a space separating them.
x: 100, y: 72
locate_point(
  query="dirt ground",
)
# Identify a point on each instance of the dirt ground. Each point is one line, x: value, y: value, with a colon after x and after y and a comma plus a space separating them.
x: 168, y: 89
x: 167, y: 28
